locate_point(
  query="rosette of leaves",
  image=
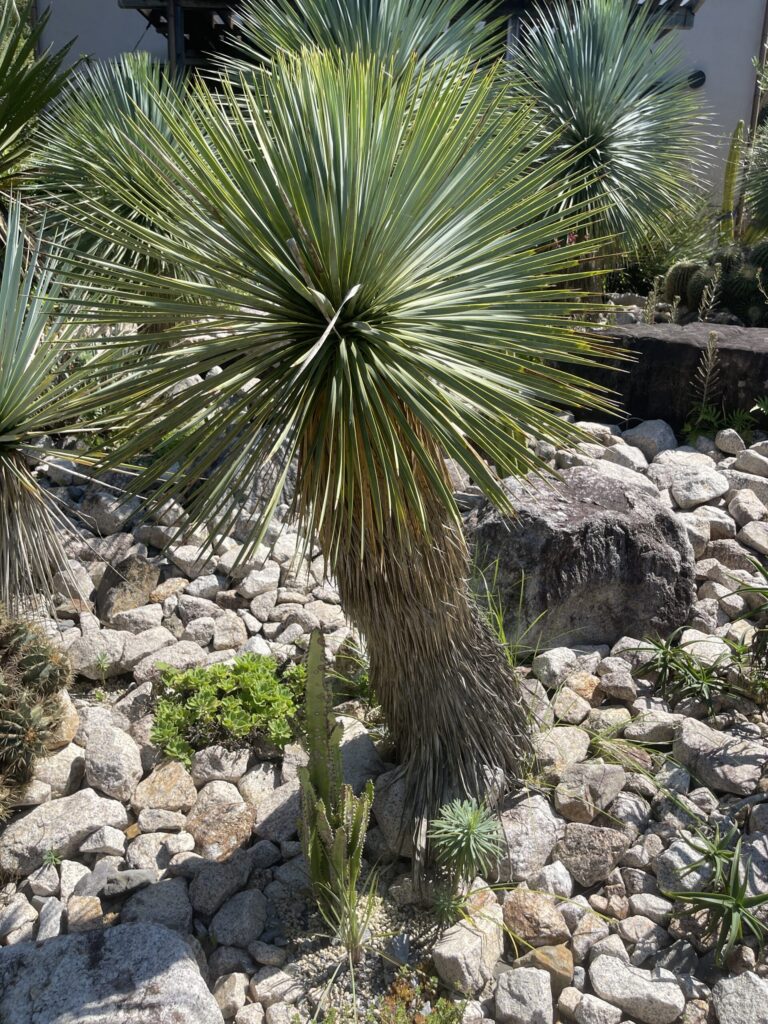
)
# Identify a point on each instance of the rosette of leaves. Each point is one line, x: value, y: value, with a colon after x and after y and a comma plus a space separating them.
x: 228, y: 704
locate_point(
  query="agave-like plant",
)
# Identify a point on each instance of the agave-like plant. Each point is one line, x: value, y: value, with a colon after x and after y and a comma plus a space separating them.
x: 36, y: 400
x: 80, y: 139
x: 371, y: 261
x: 434, y: 32
x: 602, y: 79
x: 28, y: 82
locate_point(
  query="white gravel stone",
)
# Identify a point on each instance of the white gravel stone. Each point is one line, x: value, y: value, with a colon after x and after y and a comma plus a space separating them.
x: 105, y: 840
x: 651, y: 437
x: 229, y: 632
x: 60, y: 825
x: 138, y: 620
x: 652, y: 997
x: 751, y: 461
x: 531, y: 829
x: 182, y: 655
x: 524, y: 996
x: 626, y: 455
x: 729, y: 441
x: 551, y: 667
x: 113, y: 762
x: 725, y: 763
x: 745, y: 507
x: 193, y: 561
x: 741, y: 1000
x: 755, y: 535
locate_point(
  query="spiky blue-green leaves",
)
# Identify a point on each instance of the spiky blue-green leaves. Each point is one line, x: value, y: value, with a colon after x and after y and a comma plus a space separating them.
x: 600, y: 75
x: 379, y: 260
x: 29, y: 79
x: 433, y: 32
x: 466, y: 840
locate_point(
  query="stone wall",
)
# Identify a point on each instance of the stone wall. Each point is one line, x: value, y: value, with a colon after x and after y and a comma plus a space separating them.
x: 655, y: 386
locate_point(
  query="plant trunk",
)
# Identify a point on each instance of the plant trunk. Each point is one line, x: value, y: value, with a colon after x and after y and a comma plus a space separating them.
x: 449, y: 695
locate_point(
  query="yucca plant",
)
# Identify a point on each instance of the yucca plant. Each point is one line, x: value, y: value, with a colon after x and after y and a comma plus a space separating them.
x: 434, y: 32
x: 86, y: 133
x: 602, y: 79
x: 756, y: 181
x: 732, y: 914
x: 28, y: 82
x: 371, y: 262
x: 36, y: 399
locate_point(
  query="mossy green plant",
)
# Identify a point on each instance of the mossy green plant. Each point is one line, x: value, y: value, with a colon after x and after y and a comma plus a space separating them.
x: 229, y: 704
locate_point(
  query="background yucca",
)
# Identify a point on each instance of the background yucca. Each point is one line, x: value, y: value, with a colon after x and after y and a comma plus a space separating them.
x: 601, y: 77
x: 434, y: 32
x: 28, y: 81
x: 36, y: 400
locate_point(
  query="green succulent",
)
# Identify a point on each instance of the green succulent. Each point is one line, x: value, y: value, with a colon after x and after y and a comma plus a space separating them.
x: 32, y: 672
x: 466, y: 839
x: 25, y: 727
x: 223, y: 704
x: 678, y: 279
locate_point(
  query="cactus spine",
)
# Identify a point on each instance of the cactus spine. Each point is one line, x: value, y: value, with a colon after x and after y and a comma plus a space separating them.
x: 32, y: 672
x: 334, y: 821
x: 677, y: 280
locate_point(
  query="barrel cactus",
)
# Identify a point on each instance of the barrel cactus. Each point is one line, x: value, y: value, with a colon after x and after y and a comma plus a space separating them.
x: 678, y: 278
x: 696, y: 286
x: 730, y: 258
x: 32, y: 672
x: 740, y: 291
x: 759, y: 255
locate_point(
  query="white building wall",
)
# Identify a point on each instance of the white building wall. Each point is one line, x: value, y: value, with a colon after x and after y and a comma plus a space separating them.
x: 100, y: 28
x: 726, y: 35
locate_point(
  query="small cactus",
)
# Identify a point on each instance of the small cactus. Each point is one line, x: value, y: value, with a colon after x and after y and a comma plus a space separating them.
x: 677, y: 280
x: 696, y: 286
x: 334, y: 821
x: 25, y: 726
x: 758, y: 255
x: 32, y: 672
x: 730, y: 258
x: 740, y: 291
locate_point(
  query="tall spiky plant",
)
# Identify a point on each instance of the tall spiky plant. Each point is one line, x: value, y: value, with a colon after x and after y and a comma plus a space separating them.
x: 334, y: 821
x: 78, y: 141
x: 36, y: 399
x: 602, y: 79
x: 371, y: 262
x: 28, y: 82
x: 434, y: 32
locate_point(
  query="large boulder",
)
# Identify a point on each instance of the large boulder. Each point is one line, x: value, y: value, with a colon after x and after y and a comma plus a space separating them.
x: 130, y: 974
x: 598, y: 555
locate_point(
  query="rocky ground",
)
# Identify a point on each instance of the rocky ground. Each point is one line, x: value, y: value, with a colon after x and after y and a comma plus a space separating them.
x: 140, y: 889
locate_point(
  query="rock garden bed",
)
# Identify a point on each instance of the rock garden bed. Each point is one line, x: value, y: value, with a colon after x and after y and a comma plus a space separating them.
x: 141, y: 889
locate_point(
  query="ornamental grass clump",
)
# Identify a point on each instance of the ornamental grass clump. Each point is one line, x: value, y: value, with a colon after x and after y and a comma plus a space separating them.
x: 369, y: 260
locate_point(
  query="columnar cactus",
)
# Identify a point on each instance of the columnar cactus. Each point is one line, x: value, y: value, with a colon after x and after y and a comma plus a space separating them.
x: 334, y: 821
